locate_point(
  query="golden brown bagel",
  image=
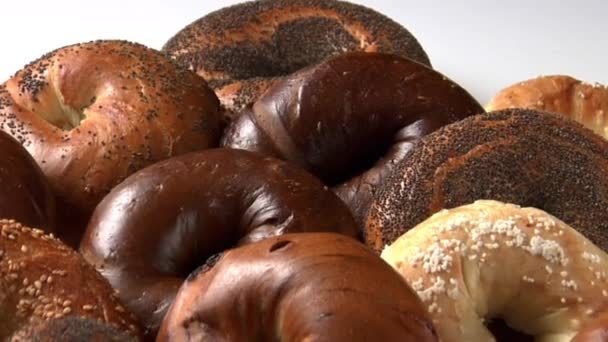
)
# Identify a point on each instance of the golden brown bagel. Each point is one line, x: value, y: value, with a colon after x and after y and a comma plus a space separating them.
x: 490, y: 259
x: 91, y: 114
x: 241, y: 50
x: 47, y: 289
x: 565, y: 95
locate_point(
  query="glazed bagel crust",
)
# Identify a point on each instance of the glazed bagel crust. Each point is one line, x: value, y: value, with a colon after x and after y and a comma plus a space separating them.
x: 164, y: 221
x: 240, y: 49
x: 489, y: 259
x: 47, y: 289
x: 350, y: 119
x: 565, y: 95
x: 516, y: 156
x: 25, y: 194
x: 93, y: 113
x: 297, y: 287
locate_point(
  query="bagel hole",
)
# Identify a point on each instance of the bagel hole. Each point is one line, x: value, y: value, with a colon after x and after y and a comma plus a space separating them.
x: 279, y: 245
x: 504, y: 333
x: 67, y: 118
x: 364, y: 161
x: 206, y: 266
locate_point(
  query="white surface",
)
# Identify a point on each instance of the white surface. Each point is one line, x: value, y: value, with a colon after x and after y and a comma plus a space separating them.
x: 483, y: 45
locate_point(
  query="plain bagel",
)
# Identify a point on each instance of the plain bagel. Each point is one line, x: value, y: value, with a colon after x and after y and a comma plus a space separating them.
x: 351, y: 119
x: 297, y: 287
x: 25, y: 194
x: 164, y: 221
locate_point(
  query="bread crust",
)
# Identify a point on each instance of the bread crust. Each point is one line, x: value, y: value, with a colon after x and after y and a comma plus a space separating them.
x: 243, y: 49
x: 583, y: 102
x: 518, y: 156
x: 297, y: 287
x: 351, y: 119
x: 494, y: 260
x: 91, y: 114
x: 25, y: 194
x: 161, y: 223
x: 47, y: 288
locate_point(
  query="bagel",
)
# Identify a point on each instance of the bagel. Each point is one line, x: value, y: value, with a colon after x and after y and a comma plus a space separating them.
x: 517, y: 156
x: 47, y: 289
x: 350, y: 119
x: 91, y: 114
x: 565, y: 95
x: 597, y: 330
x: 489, y: 259
x: 297, y: 287
x: 161, y: 223
x: 243, y: 49
x: 25, y: 195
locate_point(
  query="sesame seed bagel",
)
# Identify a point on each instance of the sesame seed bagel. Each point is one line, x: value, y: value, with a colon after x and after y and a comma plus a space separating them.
x: 164, y: 221
x: 565, y: 95
x: 47, y: 289
x: 91, y: 114
x: 493, y: 260
x: 517, y: 156
x: 241, y: 50
x: 297, y: 287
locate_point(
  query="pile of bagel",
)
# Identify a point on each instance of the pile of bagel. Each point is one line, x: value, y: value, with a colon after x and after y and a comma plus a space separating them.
x: 296, y: 170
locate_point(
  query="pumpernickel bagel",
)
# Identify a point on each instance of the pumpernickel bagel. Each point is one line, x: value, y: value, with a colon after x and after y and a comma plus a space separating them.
x: 164, y: 221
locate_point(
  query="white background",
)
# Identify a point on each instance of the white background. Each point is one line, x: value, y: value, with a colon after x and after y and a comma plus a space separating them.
x: 483, y: 45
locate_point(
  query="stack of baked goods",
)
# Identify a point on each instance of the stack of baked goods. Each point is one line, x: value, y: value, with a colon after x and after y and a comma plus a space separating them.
x: 296, y: 170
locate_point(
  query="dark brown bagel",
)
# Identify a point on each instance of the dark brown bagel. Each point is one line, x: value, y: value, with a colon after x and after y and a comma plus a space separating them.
x: 47, y: 289
x: 161, y: 223
x: 525, y: 157
x: 350, y: 119
x: 297, y: 287
x: 93, y: 113
x: 241, y: 50
x: 25, y: 194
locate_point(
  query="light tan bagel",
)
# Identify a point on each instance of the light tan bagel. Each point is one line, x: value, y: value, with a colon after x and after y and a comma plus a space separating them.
x: 565, y: 95
x: 493, y: 260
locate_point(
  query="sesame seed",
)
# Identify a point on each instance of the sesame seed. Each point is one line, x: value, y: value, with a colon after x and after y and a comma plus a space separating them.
x: 528, y: 279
